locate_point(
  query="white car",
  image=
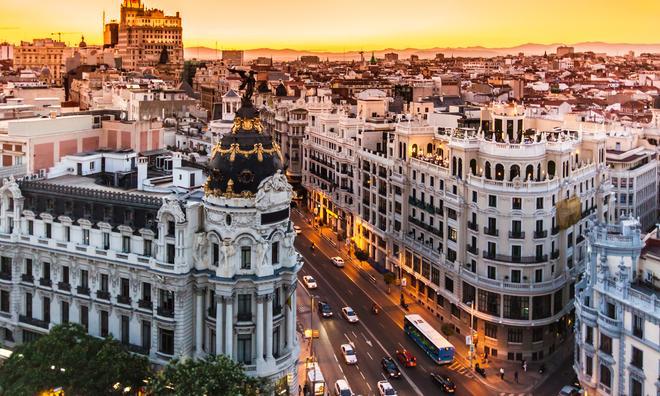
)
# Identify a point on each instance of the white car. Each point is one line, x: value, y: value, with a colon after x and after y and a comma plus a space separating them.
x: 342, y: 388
x: 310, y: 282
x: 386, y: 389
x: 349, y: 314
x: 349, y: 354
x: 297, y: 229
x: 337, y: 261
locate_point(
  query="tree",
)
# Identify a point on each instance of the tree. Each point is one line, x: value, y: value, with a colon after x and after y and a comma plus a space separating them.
x: 213, y: 375
x: 164, y: 56
x: 68, y: 357
x: 361, y: 255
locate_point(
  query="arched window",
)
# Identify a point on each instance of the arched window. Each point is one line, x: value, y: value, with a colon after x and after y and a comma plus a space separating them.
x: 538, y: 172
x: 487, y: 170
x: 441, y: 153
x: 552, y: 168
x: 460, y: 168
x: 529, y: 172
x: 514, y: 172
x: 414, y: 150
x: 429, y: 148
x: 473, y: 166
x: 499, y: 172
x: 453, y: 166
x: 605, y: 376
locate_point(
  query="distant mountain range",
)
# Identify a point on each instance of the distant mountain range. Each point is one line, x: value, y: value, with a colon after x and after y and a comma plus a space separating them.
x: 204, y: 53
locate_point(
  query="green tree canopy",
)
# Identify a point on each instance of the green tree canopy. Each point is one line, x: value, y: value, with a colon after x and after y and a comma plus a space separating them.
x: 68, y: 357
x: 213, y: 375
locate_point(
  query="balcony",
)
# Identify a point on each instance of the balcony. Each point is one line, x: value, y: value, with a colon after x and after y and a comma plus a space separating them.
x: 123, y: 300
x: 579, y: 239
x: 145, y: 304
x: 5, y: 275
x: 64, y: 286
x: 540, y: 234
x: 27, y: 278
x: 103, y: 294
x: 555, y: 230
x: 554, y: 255
x: 515, y: 259
x: 45, y: 282
x: 516, y: 234
x: 166, y: 312
x: 82, y: 290
x: 491, y: 232
x: 138, y: 349
x: 611, y: 326
x: 33, y: 321
x: 472, y: 249
x: 244, y: 317
x: 473, y: 226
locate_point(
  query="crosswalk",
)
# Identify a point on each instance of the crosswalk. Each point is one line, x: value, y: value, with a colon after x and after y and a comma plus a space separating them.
x: 459, y: 368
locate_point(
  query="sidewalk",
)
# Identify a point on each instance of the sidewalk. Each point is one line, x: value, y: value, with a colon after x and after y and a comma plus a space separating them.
x: 527, y: 381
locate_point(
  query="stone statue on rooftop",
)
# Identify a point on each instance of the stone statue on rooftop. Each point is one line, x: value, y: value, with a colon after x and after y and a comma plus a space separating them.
x: 248, y: 83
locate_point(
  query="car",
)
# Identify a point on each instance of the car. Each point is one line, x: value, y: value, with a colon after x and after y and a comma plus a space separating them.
x: 385, y: 388
x: 310, y: 282
x: 569, y: 390
x: 349, y: 314
x: 342, y: 388
x: 324, y: 309
x: 297, y: 229
x: 445, y: 383
x: 337, y: 261
x: 349, y: 354
x: 390, y: 368
x: 406, y: 358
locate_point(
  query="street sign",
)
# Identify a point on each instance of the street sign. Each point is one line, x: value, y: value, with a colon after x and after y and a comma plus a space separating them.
x: 468, y: 340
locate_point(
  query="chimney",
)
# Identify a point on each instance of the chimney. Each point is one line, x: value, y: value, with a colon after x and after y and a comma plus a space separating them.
x: 142, y: 172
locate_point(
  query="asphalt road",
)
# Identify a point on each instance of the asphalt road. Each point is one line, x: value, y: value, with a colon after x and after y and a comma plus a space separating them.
x: 374, y: 337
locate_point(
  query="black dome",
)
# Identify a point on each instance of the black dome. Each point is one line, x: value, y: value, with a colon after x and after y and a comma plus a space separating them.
x: 243, y: 158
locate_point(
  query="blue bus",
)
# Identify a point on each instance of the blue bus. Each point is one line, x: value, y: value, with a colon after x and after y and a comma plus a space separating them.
x: 432, y: 342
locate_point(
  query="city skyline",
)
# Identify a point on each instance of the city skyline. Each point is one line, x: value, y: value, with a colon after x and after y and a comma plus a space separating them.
x: 280, y: 25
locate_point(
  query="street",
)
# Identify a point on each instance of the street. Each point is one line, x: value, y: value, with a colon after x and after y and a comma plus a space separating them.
x: 374, y: 337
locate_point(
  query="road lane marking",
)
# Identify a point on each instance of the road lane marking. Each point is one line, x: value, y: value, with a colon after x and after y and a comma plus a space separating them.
x: 401, y: 346
x: 354, y: 335
x: 363, y: 377
x: 423, y: 369
x: 346, y: 335
x: 368, y: 354
x: 369, y: 386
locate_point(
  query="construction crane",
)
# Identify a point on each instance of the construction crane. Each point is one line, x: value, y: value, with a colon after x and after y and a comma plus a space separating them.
x: 59, y: 34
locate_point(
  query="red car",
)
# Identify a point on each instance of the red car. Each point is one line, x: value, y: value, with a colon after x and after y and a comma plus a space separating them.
x: 406, y: 358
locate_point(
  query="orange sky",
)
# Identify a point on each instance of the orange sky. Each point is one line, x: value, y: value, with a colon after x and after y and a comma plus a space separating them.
x: 339, y: 25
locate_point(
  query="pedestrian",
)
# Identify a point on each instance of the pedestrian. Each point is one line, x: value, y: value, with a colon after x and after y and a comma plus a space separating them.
x: 299, y: 390
x: 515, y: 376
x: 525, y: 366
x: 502, y: 373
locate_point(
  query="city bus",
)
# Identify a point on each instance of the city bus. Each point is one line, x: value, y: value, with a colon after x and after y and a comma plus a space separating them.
x: 432, y: 342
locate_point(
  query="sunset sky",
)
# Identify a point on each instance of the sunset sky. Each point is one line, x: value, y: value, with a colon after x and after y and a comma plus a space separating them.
x: 339, y: 25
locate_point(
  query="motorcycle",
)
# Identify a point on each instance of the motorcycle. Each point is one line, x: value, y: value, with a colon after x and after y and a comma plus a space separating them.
x: 542, y: 369
x: 480, y: 370
x: 375, y: 309
x: 312, y: 247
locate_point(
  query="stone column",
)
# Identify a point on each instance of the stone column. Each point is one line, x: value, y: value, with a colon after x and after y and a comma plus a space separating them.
x: 199, y: 321
x: 229, y: 326
x: 294, y: 313
x: 218, y: 326
x: 269, y: 327
x: 290, y: 323
x: 260, y: 328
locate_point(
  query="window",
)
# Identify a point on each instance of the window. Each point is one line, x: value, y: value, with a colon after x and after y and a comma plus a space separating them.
x: 45, y: 271
x: 5, y: 267
x: 636, y: 388
x: 474, y: 196
x: 246, y: 259
x: 146, y: 334
x: 452, y: 234
x: 589, y: 366
x: 146, y: 291
x: 539, y: 203
x: 170, y: 253
x: 4, y: 301
x: 30, y: 224
x: 28, y: 267
x: 491, y: 272
x: 516, y: 203
x: 49, y: 230
x: 125, y: 330
x: 126, y: 244
x: 605, y: 344
x: 124, y: 290
x: 516, y: 251
x: 516, y: 307
x: 638, y: 326
x: 605, y: 376
x: 244, y: 307
x: 28, y: 305
x: 451, y: 255
x: 166, y: 301
x: 637, y: 358
x: 588, y: 335
x: 67, y: 233
x: 515, y: 274
x: 515, y: 335
x: 104, y: 323
x: 539, y: 253
x: 488, y: 302
x: 492, y: 201
x: 490, y: 330
x: 64, y: 311
x: 449, y: 284
x: 147, y: 248
x: 104, y: 282
x: 65, y: 274
x: 85, y: 236
x: 166, y: 341
x: 106, y: 240
x: 84, y: 317
x: 537, y: 334
x: 84, y: 279
x: 244, y: 348
x: 275, y: 253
